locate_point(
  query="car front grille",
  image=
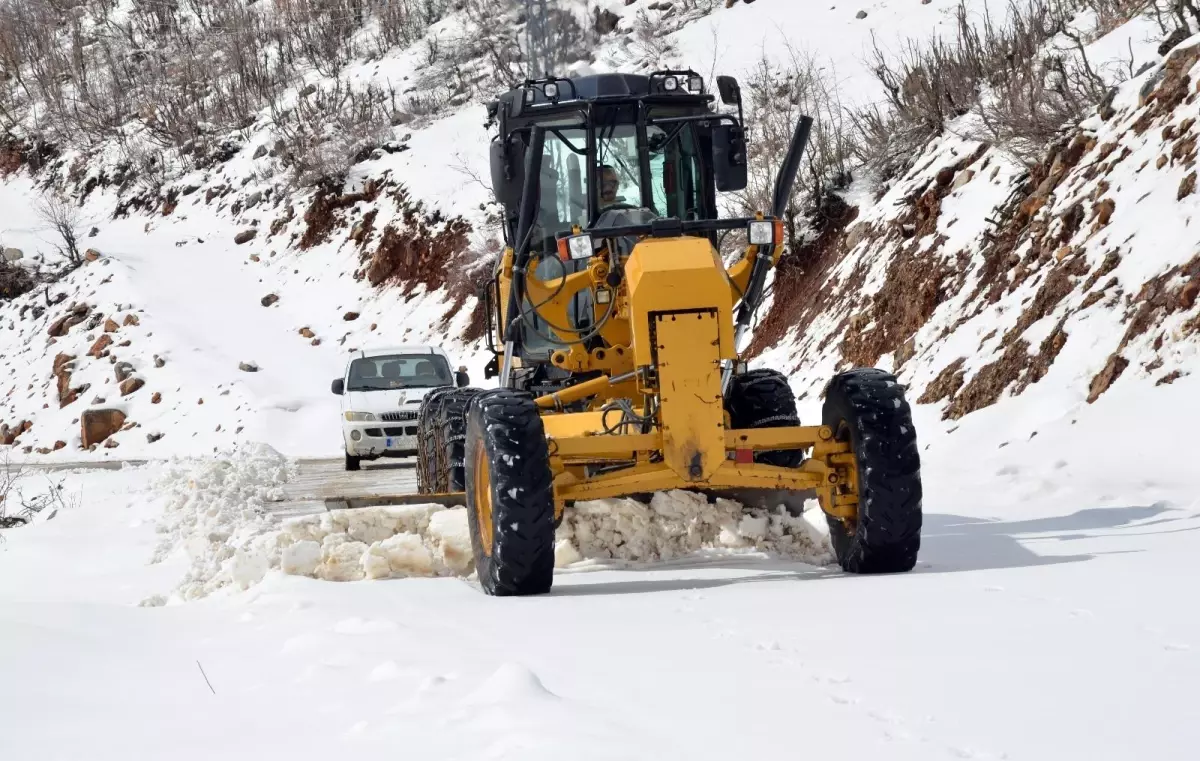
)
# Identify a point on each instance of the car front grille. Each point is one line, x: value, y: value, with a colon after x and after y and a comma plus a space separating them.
x: 397, y: 431
x: 398, y: 417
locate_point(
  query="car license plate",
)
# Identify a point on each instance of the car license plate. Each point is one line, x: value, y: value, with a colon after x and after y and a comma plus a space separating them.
x: 389, y: 443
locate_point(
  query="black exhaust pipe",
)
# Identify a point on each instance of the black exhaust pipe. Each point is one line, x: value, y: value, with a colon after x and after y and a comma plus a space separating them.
x: 784, y: 182
x: 791, y: 167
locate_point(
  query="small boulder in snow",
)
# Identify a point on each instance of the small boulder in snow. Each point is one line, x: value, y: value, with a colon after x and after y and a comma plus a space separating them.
x: 129, y: 385
x: 860, y: 15
x: 245, y: 236
x: 350, y: 316
x: 97, y: 425
x: 269, y: 299
x: 248, y: 367
x: 102, y: 343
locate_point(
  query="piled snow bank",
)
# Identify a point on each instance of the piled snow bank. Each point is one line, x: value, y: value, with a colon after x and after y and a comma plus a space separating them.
x: 429, y: 540
x: 377, y: 543
x: 681, y: 523
x: 215, y: 512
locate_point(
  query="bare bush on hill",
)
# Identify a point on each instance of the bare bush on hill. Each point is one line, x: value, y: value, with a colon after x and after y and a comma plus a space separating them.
x: 182, y: 75
x: 15, y: 279
x: 65, y: 222
x: 776, y: 96
x: 328, y: 128
x: 1025, y: 77
x: 17, y: 506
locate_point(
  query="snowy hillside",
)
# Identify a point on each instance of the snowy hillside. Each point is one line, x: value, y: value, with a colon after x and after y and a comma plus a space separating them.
x: 978, y: 279
x: 395, y: 244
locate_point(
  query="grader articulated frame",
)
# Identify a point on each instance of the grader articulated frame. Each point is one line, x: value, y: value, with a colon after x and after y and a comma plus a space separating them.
x: 616, y: 328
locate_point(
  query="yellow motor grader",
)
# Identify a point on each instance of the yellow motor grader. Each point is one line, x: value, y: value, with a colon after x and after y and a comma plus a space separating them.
x: 616, y: 329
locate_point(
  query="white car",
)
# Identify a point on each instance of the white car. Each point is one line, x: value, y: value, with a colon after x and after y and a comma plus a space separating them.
x: 381, y: 392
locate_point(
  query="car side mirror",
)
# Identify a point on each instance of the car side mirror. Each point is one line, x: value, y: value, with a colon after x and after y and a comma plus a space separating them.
x: 461, y: 379
x: 338, y: 386
x: 730, y: 167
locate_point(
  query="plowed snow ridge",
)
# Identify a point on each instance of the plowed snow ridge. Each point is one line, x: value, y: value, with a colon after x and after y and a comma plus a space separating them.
x: 215, y: 511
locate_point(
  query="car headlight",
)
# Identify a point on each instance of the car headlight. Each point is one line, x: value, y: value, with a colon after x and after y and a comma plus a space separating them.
x: 359, y: 417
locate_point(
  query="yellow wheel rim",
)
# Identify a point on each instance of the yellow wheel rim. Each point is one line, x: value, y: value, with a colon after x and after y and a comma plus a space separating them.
x: 483, y: 500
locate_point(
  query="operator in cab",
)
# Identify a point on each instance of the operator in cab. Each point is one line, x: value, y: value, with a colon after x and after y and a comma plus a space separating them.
x: 610, y: 183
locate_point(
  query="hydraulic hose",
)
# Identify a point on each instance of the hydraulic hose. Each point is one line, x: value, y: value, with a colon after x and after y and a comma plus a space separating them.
x: 784, y: 182
x: 526, y: 220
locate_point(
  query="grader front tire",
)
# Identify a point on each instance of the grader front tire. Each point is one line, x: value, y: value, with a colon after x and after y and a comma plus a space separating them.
x: 452, y: 437
x: 867, y: 408
x: 510, y: 496
x: 429, y: 477
x: 763, y: 399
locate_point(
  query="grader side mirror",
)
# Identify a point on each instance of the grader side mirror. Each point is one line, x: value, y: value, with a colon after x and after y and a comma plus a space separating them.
x: 461, y: 379
x: 730, y: 90
x: 507, y: 156
x: 729, y: 158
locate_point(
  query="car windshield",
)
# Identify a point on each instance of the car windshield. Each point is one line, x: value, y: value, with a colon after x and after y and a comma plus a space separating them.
x: 398, y: 371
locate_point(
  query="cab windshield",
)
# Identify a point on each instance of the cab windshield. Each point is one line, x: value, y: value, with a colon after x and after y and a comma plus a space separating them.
x: 398, y: 371
x: 570, y: 195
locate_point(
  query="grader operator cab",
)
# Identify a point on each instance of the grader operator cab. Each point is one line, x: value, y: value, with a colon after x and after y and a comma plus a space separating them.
x: 616, y: 329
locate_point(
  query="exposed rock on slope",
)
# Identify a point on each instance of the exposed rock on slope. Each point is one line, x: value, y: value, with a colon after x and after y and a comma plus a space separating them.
x: 975, y: 278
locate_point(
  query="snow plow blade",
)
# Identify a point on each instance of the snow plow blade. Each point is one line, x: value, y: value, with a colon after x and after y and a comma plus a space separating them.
x: 767, y: 499
x: 452, y: 499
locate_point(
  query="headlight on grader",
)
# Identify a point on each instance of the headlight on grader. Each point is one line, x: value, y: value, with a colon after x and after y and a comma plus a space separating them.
x: 575, y: 247
x: 766, y: 233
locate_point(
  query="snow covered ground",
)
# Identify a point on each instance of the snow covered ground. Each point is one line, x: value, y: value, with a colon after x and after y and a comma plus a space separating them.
x: 164, y: 612
x: 1047, y: 619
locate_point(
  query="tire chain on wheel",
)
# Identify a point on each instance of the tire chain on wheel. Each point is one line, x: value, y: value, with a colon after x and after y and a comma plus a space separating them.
x: 429, y: 475
x: 887, y: 535
x: 453, y: 439
x: 763, y: 399
x: 508, y: 425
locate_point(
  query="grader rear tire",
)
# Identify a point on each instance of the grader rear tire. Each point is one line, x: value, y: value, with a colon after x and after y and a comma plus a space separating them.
x: 867, y: 408
x: 763, y: 399
x: 510, y: 496
x: 429, y: 478
x: 451, y: 438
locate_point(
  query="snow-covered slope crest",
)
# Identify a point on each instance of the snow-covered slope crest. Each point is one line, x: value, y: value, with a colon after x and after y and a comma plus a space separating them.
x: 978, y: 280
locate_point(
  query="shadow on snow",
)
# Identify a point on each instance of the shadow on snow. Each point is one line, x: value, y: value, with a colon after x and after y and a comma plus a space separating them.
x: 949, y: 544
